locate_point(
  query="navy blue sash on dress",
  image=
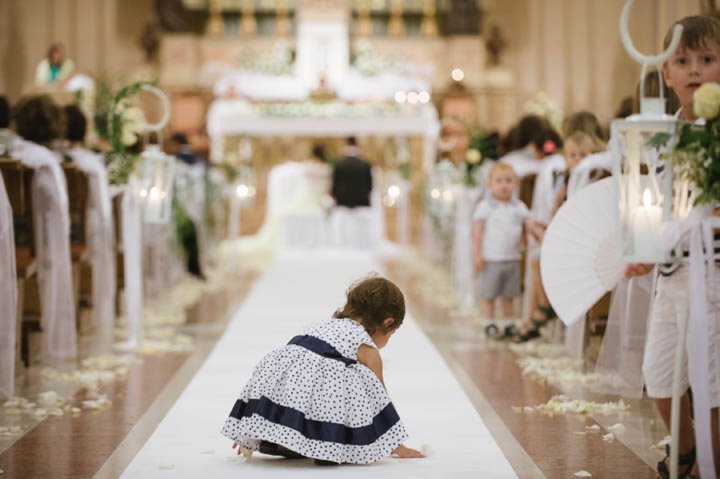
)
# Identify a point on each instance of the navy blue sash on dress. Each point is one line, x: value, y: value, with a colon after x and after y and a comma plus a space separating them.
x: 312, y: 429
x: 324, y: 349
x: 317, y: 430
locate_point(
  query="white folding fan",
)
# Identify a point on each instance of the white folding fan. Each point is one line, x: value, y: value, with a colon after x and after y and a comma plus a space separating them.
x: 580, y: 256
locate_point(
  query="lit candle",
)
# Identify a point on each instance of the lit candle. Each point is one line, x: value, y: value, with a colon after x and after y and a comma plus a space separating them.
x: 153, y: 205
x: 646, y: 229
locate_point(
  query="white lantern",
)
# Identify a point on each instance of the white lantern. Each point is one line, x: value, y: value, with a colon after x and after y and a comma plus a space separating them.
x: 647, y: 195
x: 157, y: 169
x: 158, y: 173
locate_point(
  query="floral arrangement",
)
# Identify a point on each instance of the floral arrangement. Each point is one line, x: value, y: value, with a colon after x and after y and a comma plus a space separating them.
x: 543, y: 105
x: 368, y: 62
x: 278, y: 62
x: 124, y: 123
x: 697, y: 152
x: 482, y: 146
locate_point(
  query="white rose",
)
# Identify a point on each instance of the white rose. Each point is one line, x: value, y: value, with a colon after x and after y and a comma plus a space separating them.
x: 473, y: 156
x: 706, y: 101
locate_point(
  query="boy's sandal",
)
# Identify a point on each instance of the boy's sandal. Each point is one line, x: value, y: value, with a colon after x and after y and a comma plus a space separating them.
x: 511, y: 330
x: 492, y: 331
x: 684, y: 460
x: 548, y: 311
x: 272, y: 449
x: 523, y: 336
x: 548, y: 314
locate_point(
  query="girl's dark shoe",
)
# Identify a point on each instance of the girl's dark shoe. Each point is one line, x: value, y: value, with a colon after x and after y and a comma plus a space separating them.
x: 322, y: 462
x: 272, y: 449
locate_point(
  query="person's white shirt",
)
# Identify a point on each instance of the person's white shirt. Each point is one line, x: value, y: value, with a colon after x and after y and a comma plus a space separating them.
x: 523, y: 161
x: 502, y: 233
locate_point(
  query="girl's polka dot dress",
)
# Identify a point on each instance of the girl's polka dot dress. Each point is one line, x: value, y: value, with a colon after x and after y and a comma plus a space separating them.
x: 313, y: 397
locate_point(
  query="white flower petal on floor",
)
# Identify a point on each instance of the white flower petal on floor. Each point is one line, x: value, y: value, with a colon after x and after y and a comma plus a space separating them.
x: 617, y: 429
x: 582, y: 474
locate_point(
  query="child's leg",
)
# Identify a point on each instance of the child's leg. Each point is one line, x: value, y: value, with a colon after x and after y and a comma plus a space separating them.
x: 686, y: 441
x: 540, y: 296
x: 486, y: 309
x: 506, y: 305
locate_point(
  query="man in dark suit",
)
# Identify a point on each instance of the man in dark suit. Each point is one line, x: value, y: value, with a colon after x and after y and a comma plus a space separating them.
x: 352, y: 178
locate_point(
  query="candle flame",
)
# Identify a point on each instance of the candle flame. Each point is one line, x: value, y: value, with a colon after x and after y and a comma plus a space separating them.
x: 647, y: 198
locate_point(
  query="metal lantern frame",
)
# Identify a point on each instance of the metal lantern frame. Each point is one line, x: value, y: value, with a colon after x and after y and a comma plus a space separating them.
x: 644, y: 180
x: 157, y: 172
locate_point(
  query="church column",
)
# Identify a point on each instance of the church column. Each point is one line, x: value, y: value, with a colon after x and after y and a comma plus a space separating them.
x: 396, y: 27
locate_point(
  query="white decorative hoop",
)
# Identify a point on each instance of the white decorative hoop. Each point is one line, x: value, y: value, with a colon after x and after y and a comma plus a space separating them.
x: 646, y: 60
x: 165, y: 101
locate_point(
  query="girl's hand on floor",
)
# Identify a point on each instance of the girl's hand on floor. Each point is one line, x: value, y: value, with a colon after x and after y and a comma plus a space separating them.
x: 406, y: 452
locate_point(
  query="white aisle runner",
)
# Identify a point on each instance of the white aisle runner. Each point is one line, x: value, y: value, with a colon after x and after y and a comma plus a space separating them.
x: 294, y: 292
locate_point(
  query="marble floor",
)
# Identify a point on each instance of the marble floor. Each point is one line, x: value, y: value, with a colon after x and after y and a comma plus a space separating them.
x: 103, y: 441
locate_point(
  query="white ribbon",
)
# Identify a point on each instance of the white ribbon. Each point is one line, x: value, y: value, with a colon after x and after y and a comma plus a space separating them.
x: 8, y: 296
x: 51, y: 220
x: 132, y: 247
x: 463, y: 265
x: 702, y: 273
x: 101, y: 239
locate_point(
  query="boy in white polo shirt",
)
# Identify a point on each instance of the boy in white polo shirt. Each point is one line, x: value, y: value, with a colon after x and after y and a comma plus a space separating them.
x: 497, y: 241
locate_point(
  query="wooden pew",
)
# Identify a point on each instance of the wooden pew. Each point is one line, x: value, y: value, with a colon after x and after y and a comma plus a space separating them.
x: 77, y: 187
x: 18, y: 183
x: 119, y: 255
x: 527, y: 185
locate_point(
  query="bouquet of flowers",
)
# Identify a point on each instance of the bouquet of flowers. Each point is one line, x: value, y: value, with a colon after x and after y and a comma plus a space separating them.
x: 696, y: 156
x: 543, y: 105
x: 124, y: 123
x: 482, y: 146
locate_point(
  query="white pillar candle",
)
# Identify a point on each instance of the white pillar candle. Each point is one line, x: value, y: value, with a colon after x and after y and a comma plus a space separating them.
x: 154, y: 205
x: 646, y: 230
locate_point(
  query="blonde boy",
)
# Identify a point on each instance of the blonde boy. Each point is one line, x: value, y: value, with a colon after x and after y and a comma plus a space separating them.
x: 497, y: 241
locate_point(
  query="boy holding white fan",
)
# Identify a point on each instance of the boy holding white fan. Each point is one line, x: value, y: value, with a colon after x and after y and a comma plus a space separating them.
x: 694, y: 63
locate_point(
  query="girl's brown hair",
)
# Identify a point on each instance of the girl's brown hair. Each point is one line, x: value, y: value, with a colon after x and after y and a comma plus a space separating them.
x: 371, y: 301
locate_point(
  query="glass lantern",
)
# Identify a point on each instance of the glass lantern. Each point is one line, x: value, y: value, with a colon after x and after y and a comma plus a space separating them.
x: 641, y: 145
x: 157, y: 176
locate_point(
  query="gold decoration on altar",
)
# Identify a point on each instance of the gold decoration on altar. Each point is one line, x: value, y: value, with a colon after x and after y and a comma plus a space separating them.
x: 428, y: 27
x: 396, y: 27
x: 364, y: 26
x: 323, y: 92
x: 215, y: 26
x: 283, y: 26
x: 248, y: 24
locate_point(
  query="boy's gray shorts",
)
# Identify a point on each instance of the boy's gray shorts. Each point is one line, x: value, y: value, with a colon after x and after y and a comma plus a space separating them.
x: 499, y: 279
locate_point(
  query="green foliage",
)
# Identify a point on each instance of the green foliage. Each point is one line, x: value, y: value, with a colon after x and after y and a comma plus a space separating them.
x: 697, y: 157
x: 121, y: 160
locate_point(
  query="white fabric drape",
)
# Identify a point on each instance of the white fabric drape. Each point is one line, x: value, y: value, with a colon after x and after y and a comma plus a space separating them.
x: 101, y: 239
x: 463, y: 265
x: 620, y: 360
x: 580, y: 176
x: 51, y: 220
x: 703, y: 330
x: 132, y: 248
x: 8, y: 296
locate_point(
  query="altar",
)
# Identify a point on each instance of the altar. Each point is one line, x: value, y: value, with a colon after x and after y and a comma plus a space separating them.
x: 233, y: 117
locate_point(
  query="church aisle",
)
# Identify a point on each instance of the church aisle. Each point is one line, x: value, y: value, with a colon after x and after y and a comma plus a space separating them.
x: 294, y: 292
